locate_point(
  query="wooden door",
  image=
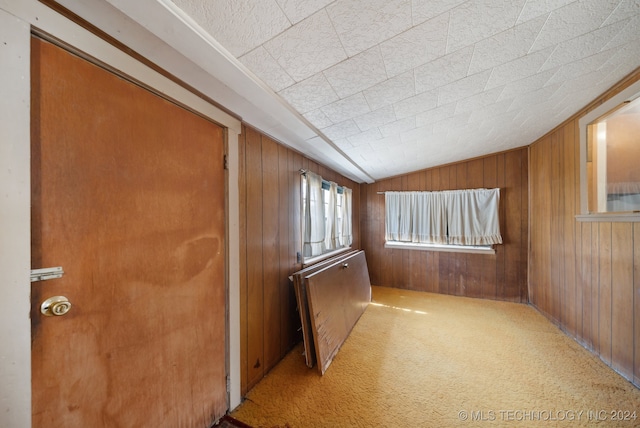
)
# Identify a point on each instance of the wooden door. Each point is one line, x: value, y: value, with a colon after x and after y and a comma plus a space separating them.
x: 128, y: 197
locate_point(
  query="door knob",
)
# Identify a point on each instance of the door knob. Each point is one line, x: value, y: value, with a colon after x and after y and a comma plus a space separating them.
x: 55, y: 306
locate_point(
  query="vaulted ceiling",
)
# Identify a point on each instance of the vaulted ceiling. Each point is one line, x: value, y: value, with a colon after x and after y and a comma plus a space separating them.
x: 376, y: 88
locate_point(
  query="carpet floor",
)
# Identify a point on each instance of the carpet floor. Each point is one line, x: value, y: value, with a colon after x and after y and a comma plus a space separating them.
x: 429, y: 360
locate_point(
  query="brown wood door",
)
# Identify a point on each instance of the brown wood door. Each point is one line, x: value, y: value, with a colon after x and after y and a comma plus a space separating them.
x: 128, y: 197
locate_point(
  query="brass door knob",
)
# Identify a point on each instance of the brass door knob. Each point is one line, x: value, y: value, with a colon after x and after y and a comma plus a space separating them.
x: 55, y: 306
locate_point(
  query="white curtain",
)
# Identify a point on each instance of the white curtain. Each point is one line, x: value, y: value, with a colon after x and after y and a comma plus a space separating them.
x: 314, y: 224
x: 429, y: 215
x: 459, y: 217
x: 392, y: 203
x: 332, y: 237
x: 398, y: 206
x: 472, y: 217
x: 346, y: 235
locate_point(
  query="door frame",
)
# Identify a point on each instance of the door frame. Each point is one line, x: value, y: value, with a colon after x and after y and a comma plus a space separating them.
x: 17, y: 19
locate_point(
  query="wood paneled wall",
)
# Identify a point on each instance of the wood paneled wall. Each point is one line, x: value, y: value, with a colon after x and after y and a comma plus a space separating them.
x: 584, y: 276
x: 270, y: 237
x: 502, y: 276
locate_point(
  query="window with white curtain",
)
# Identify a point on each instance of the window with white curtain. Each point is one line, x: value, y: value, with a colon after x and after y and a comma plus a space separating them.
x: 452, y: 220
x: 326, y: 213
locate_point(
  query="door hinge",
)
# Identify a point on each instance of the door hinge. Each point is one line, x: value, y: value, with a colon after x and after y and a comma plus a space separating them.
x: 228, y: 383
x: 46, y: 273
x: 226, y: 162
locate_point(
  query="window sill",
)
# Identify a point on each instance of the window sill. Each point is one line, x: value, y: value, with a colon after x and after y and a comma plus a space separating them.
x: 609, y: 217
x: 439, y: 247
x: 311, y: 260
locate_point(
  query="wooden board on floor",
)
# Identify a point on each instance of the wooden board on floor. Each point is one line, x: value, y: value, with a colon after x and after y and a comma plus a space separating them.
x: 300, y: 288
x: 338, y: 295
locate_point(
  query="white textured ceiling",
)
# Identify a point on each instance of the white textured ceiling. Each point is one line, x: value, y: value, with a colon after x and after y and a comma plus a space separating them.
x: 384, y: 87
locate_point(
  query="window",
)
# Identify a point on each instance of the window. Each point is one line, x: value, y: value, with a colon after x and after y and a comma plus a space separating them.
x: 610, y: 155
x: 613, y: 159
x: 326, y: 213
x: 456, y: 220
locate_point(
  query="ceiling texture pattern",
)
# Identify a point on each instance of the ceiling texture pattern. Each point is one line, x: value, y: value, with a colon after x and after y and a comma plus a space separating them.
x: 394, y: 86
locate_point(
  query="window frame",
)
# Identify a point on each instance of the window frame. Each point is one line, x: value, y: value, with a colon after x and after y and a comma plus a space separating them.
x: 630, y: 93
x: 445, y: 248
x: 310, y: 260
x: 439, y: 247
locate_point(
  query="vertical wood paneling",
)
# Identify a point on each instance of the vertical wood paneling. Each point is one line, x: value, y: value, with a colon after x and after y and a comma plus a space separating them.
x: 501, y: 265
x: 286, y: 253
x: 595, y: 285
x: 534, y: 227
x: 622, y: 298
x: 545, y: 235
x: 383, y: 255
x: 604, y: 283
x: 254, y: 250
x: 524, y: 227
x: 583, y: 310
x: 585, y: 281
x: 583, y: 275
x: 270, y: 237
x: 375, y: 227
x: 270, y: 253
x: 355, y: 224
x: 556, y: 224
x: 513, y: 236
x: 242, y: 224
x: 473, y: 275
x: 295, y: 234
x: 573, y: 299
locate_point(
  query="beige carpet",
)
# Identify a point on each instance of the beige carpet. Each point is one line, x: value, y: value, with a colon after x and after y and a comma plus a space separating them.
x: 429, y: 360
